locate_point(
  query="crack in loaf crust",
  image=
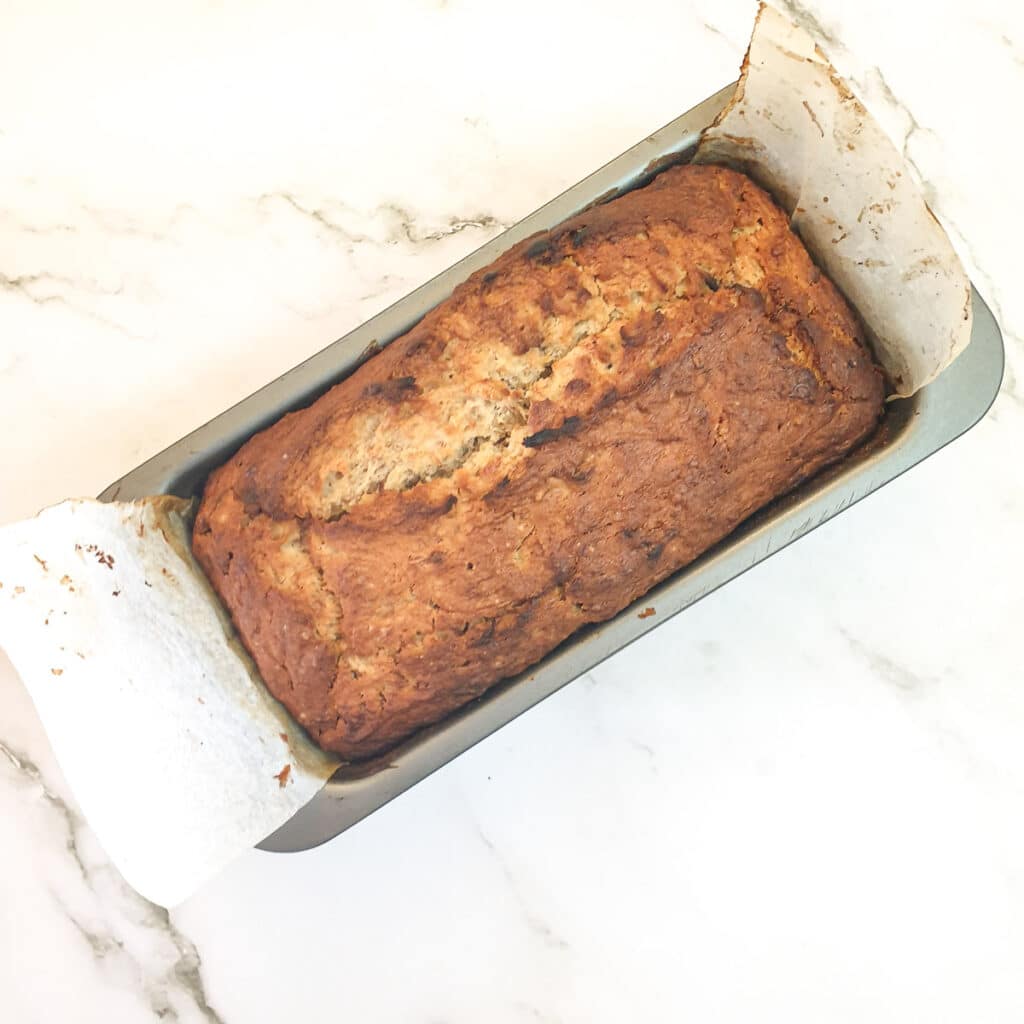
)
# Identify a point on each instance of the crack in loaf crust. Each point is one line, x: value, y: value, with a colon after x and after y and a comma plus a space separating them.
x: 577, y: 422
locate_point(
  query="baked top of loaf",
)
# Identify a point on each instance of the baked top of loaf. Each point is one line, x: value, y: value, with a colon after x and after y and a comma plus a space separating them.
x: 576, y: 422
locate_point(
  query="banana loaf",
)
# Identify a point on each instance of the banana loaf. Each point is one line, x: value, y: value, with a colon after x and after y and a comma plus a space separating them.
x: 575, y: 423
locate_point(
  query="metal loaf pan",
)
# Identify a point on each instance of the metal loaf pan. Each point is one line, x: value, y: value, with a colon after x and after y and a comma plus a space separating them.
x: 912, y: 430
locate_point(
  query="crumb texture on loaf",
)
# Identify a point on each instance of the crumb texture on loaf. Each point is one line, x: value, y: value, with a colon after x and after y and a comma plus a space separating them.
x: 577, y: 422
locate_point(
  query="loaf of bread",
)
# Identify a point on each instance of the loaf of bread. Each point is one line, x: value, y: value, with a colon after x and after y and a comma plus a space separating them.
x: 578, y: 421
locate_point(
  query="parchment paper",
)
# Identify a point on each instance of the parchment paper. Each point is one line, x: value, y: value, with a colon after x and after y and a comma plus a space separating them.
x: 795, y: 128
x: 177, y: 754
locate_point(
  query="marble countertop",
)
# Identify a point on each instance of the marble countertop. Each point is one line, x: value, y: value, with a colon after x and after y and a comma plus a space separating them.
x: 802, y: 800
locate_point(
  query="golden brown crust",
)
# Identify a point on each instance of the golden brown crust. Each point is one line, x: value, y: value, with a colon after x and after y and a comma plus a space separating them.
x: 577, y: 422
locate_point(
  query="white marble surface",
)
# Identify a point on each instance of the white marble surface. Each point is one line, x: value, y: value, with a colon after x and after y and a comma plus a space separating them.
x: 803, y: 800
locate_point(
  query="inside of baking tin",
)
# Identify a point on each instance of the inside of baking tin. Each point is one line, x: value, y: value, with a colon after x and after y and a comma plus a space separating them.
x: 895, y: 421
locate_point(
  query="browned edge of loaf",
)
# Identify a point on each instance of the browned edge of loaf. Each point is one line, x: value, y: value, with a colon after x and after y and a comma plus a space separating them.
x: 575, y: 423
